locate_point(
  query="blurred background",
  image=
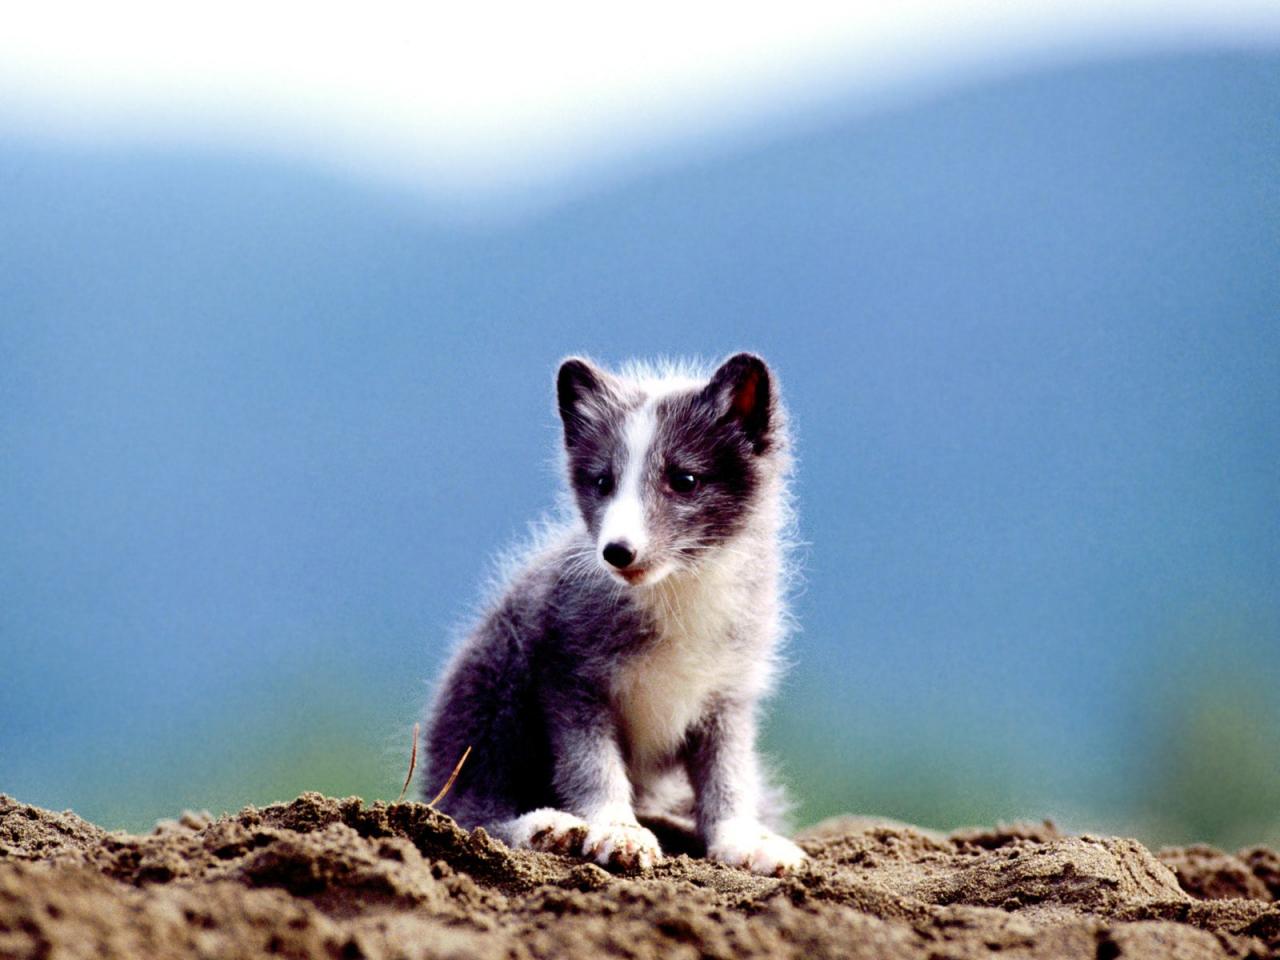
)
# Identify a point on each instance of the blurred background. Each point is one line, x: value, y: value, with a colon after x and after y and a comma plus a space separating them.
x: 282, y: 293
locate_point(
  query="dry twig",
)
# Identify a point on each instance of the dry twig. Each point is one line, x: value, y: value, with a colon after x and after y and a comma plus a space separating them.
x: 452, y: 777
x: 413, y: 762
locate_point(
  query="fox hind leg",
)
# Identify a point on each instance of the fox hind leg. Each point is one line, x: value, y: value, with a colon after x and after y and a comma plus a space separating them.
x: 546, y: 829
x: 625, y: 845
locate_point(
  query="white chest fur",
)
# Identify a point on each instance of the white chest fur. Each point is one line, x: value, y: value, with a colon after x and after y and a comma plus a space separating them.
x: 706, y: 646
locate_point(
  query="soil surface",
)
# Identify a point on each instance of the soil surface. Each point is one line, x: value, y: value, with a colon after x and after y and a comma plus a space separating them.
x: 321, y: 877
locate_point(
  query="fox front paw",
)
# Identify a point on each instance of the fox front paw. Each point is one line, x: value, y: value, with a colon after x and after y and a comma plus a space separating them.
x: 627, y: 846
x: 746, y: 843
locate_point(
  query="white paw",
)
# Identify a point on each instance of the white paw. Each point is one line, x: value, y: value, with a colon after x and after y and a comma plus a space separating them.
x: 547, y: 829
x: 624, y: 845
x: 746, y: 843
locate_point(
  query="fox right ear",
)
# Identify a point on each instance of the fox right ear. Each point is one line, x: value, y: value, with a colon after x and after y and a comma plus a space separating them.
x: 581, y: 390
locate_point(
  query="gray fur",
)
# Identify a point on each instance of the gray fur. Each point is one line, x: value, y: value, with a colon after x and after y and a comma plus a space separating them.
x: 560, y: 688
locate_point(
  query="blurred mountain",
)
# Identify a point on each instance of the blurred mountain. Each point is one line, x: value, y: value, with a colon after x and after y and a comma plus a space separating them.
x: 260, y: 429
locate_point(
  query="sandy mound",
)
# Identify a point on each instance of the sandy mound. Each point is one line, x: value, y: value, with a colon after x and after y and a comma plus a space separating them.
x: 332, y: 878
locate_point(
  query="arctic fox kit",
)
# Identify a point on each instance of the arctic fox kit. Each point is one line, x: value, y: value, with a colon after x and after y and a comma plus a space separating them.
x: 622, y: 667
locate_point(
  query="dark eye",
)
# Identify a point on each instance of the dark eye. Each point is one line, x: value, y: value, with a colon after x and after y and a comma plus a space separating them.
x: 604, y: 484
x: 681, y: 481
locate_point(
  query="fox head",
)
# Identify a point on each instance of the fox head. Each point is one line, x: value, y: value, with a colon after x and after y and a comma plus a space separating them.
x: 668, y: 468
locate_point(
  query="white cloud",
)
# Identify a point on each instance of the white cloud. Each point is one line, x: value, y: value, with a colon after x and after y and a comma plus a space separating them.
x: 483, y: 95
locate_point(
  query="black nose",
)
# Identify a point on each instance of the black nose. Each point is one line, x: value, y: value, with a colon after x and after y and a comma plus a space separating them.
x: 619, y: 554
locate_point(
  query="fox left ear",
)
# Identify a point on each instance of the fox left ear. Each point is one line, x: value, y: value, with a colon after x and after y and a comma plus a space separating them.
x: 582, y: 389
x: 742, y: 390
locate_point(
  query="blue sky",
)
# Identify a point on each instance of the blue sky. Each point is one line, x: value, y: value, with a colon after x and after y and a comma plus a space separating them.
x: 281, y: 317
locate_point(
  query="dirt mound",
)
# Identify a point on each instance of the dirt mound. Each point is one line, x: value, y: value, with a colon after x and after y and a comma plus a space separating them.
x: 1209, y: 874
x: 329, y: 878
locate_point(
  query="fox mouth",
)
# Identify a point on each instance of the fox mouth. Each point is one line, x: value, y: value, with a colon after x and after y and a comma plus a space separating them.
x: 640, y: 576
x: 634, y: 576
